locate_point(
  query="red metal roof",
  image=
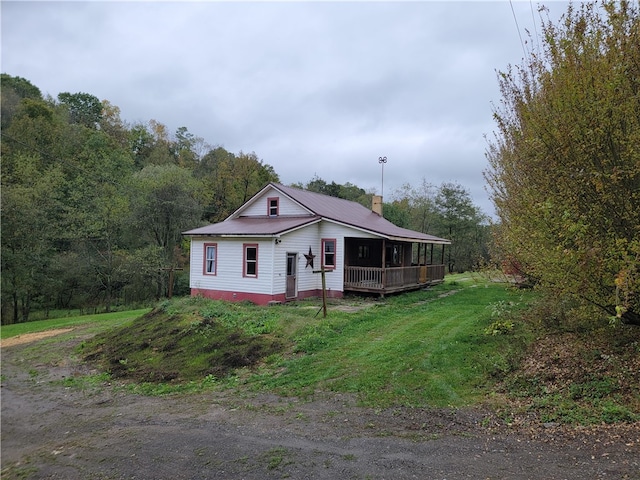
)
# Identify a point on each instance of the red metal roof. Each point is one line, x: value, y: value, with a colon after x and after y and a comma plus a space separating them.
x: 321, y: 207
x: 354, y: 214
x: 254, y: 226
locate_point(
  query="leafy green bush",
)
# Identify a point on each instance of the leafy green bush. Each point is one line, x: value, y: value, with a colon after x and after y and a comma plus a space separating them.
x: 503, y: 313
x: 499, y: 327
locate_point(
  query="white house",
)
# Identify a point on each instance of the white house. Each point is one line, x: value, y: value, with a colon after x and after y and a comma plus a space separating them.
x: 275, y: 246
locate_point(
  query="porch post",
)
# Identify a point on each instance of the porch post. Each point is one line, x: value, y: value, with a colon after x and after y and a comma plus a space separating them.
x: 384, y: 261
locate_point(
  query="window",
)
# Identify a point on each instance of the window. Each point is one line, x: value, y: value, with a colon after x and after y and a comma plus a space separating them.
x: 394, y: 255
x: 250, y: 268
x: 328, y: 253
x: 363, y: 252
x: 273, y: 206
x: 397, y: 254
x: 210, y: 258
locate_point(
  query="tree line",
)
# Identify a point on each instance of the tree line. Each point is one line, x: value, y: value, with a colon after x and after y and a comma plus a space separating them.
x: 565, y: 161
x: 93, y: 207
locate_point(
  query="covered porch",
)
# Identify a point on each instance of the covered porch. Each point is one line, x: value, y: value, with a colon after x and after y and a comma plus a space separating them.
x: 385, y: 266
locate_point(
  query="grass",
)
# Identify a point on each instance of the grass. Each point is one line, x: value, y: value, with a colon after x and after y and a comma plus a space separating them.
x: 186, y: 340
x: 94, y: 383
x: 103, y: 319
x: 455, y: 344
x: 419, y: 349
x: 276, y: 458
x: 425, y: 348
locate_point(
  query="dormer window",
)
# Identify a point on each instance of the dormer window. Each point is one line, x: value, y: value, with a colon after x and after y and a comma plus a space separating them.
x: 272, y: 204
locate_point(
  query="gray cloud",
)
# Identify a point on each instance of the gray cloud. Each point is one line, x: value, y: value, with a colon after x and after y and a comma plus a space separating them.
x: 311, y: 87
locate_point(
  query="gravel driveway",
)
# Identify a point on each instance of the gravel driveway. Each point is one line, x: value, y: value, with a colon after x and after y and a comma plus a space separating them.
x: 50, y: 431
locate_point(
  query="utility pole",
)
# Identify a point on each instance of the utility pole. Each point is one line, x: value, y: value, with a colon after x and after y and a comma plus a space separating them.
x: 323, y: 309
x: 171, y: 270
x: 382, y: 161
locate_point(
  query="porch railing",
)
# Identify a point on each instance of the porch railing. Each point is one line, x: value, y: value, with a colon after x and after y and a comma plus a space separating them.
x: 374, y: 278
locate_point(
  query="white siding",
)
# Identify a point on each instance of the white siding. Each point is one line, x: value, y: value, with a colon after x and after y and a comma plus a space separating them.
x: 299, y: 242
x: 285, y: 205
x: 335, y: 279
x: 230, y: 259
x: 272, y: 261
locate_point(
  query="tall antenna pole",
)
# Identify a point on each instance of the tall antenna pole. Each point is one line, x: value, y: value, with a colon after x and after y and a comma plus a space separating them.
x: 382, y: 161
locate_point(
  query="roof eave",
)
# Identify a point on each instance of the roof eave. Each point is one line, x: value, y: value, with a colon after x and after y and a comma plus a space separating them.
x: 194, y: 233
x: 437, y: 241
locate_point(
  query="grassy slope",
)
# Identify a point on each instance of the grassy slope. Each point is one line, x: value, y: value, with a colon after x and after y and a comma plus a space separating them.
x: 425, y: 348
x: 186, y: 340
x: 422, y: 348
x: 417, y: 349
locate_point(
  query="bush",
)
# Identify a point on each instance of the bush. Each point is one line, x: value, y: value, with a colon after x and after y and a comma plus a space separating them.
x: 499, y: 327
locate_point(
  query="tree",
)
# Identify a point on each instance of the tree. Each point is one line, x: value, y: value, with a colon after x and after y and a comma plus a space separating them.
x: 564, y: 168
x: 230, y: 180
x: 460, y: 221
x: 13, y: 90
x: 32, y: 128
x: 215, y: 172
x: 112, y: 124
x: 22, y: 87
x: 348, y: 191
x: 165, y: 202
x: 188, y: 149
x: 30, y: 204
x: 93, y: 208
x: 140, y: 144
x: 398, y: 212
x: 446, y: 212
x: 420, y: 202
x: 62, y: 208
x: 110, y: 208
x: 161, y: 152
x: 83, y: 108
x: 352, y: 192
x: 250, y: 175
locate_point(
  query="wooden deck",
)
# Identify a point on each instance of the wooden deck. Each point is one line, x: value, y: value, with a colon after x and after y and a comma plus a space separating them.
x: 391, y: 280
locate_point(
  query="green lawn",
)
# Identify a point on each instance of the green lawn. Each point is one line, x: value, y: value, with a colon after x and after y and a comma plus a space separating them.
x: 424, y: 348
x: 110, y: 319
x: 455, y: 344
x: 416, y: 349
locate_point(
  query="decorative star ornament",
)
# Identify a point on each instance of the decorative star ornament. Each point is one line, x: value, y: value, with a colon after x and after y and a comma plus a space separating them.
x: 310, y: 256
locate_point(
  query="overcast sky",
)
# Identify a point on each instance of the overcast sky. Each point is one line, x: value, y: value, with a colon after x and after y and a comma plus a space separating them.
x: 313, y: 88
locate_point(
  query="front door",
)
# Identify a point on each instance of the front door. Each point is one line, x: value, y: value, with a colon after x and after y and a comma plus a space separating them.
x: 292, y: 268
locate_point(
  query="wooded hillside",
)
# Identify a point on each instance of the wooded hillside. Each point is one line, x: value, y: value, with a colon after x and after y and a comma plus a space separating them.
x: 93, y: 207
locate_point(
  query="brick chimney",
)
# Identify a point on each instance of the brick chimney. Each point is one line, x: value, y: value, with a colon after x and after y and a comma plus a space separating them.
x: 376, y: 204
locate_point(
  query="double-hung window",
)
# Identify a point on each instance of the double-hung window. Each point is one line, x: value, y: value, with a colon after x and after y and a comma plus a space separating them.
x: 272, y: 206
x: 210, y: 258
x: 250, y: 265
x: 329, y: 253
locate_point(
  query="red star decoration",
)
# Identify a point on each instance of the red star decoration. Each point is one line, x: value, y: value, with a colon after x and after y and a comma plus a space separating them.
x: 310, y: 256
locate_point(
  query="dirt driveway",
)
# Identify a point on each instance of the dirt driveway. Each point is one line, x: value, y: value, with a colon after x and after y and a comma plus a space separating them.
x: 51, y: 431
